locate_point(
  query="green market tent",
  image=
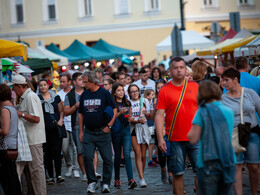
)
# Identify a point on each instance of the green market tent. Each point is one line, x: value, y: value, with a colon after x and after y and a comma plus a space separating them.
x: 53, y: 48
x: 84, y: 52
x: 38, y: 65
x: 116, y: 51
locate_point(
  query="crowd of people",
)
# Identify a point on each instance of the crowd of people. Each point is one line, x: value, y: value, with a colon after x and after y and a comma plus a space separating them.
x: 183, y: 116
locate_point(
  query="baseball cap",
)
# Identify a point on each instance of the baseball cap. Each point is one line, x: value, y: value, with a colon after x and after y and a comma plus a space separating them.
x: 17, y: 79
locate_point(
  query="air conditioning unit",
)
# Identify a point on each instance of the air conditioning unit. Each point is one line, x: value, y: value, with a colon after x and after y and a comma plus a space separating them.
x: 40, y: 43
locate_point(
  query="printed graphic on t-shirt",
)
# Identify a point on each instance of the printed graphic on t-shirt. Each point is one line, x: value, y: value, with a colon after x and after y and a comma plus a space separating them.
x: 92, y: 105
x: 136, y: 112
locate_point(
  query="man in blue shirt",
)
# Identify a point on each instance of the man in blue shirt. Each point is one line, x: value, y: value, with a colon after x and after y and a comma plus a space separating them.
x: 96, y: 131
x: 247, y: 80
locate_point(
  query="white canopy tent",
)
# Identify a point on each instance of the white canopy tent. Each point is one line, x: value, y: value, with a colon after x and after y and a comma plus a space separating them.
x: 190, y: 40
x: 252, y: 48
x: 42, y: 52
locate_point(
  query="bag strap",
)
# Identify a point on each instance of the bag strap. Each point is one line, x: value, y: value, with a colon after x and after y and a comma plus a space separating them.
x: 177, y: 108
x: 241, y: 105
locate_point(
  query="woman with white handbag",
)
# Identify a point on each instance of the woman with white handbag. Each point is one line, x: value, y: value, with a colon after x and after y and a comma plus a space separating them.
x: 245, y: 103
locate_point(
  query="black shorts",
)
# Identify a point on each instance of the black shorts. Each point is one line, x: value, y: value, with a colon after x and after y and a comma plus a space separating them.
x: 133, y: 132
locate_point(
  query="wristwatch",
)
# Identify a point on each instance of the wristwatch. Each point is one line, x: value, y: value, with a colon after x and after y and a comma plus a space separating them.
x: 23, y: 114
x: 109, y: 126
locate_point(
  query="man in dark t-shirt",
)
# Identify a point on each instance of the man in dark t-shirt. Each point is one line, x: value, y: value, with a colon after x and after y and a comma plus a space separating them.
x: 96, y: 132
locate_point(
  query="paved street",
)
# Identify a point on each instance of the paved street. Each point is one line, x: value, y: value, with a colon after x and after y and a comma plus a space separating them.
x: 152, y: 176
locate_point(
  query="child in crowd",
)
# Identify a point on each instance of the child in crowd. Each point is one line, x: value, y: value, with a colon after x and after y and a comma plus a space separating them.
x: 128, y: 79
x: 123, y: 136
x: 140, y: 132
x: 149, y: 95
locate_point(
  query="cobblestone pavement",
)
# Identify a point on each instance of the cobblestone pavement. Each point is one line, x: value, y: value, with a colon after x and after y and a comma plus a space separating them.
x: 152, y: 176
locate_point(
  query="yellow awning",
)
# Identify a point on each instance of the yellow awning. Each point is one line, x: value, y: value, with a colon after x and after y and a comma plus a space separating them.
x: 12, y: 49
x: 231, y: 47
x: 213, y: 49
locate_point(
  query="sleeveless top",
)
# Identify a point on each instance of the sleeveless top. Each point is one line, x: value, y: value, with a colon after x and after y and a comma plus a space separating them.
x: 10, y: 141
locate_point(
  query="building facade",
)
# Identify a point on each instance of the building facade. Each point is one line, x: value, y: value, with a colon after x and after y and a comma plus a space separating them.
x: 133, y: 24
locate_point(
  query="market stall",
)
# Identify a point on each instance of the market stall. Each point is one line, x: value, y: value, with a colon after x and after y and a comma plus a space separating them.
x: 116, y: 51
x: 84, y: 52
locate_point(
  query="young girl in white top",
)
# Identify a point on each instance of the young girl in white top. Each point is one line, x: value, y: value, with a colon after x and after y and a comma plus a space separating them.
x: 139, y: 131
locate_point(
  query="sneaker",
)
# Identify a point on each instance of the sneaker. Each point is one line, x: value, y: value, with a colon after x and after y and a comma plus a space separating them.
x: 60, y: 179
x: 105, y: 188
x: 69, y: 172
x: 84, y: 178
x: 132, y: 184
x: 188, y: 165
x: 92, y: 187
x: 50, y: 181
x: 117, y: 184
x: 170, y: 179
x: 156, y: 160
x: 152, y: 164
x: 98, y: 176
x: 122, y: 162
x: 76, y: 173
x: 164, y: 176
x: 142, y: 183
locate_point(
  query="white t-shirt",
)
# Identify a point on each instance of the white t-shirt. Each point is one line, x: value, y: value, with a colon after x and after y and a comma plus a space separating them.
x: 150, y: 85
x: 149, y: 105
x: 67, y: 119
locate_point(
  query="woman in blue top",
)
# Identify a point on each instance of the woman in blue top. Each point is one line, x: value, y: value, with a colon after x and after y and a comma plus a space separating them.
x: 212, y: 126
x: 53, y: 116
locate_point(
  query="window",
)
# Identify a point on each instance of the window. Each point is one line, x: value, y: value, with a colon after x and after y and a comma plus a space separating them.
x: 245, y: 2
x: 154, y: 4
x: 151, y: 5
x: 122, y: 7
x: 209, y: 3
x: 51, y: 10
x: 85, y: 9
x: 17, y: 12
x: 88, y: 9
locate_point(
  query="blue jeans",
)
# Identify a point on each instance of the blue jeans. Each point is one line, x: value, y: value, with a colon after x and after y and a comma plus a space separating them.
x: 178, y: 156
x: 122, y: 138
x: 211, y: 181
x: 102, y: 141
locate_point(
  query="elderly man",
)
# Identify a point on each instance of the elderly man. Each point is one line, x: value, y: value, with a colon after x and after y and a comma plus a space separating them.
x: 96, y: 133
x: 30, y: 110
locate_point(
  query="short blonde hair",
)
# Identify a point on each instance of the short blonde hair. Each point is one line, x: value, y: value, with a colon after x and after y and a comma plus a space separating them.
x: 199, y: 69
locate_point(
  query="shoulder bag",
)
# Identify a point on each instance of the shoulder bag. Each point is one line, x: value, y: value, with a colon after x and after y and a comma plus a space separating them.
x: 240, y: 134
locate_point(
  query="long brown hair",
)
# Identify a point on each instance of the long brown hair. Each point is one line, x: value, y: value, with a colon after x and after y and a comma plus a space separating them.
x: 124, y: 100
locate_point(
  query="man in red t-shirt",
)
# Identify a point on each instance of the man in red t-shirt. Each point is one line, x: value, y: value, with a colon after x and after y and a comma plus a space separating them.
x: 167, y: 102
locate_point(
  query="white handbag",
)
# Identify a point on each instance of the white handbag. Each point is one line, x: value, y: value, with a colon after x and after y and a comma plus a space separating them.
x: 235, y: 137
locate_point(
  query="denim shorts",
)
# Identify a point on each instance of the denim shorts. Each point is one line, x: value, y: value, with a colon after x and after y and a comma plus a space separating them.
x: 178, y: 156
x: 75, y: 134
x: 252, y: 154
